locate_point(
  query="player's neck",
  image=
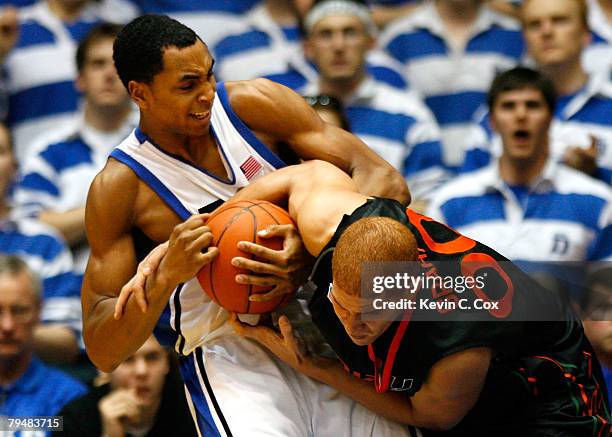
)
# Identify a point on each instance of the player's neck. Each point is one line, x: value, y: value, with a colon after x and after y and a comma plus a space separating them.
x: 567, y: 78
x: 106, y: 118
x: 521, y: 171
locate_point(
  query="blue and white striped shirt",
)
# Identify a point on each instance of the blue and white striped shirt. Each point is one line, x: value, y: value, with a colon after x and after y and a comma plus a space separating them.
x: 400, y: 128
x: 598, y: 55
x: 41, y: 69
x: 564, y: 215
x: 210, y: 20
x: 57, y: 175
x: 576, y: 118
x: 46, y: 254
x: 453, y: 81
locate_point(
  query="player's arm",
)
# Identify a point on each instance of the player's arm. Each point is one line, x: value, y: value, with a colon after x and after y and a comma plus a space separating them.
x: 451, y: 390
x: 109, y: 221
x: 282, y: 116
x: 316, y: 194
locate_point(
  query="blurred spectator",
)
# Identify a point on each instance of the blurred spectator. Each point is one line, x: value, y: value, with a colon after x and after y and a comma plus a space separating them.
x: 394, y: 123
x: 556, y: 35
x: 55, y: 179
x: 526, y: 205
x: 210, y: 19
x: 450, y: 51
x: 269, y: 46
x: 37, y: 56
x: 143, y: 398
x: 45, y: 252
x: 330, y: 109
x: 27, y: 386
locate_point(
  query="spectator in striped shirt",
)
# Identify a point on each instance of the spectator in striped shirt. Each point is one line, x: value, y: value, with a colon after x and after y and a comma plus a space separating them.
x: 450, y: 52
x: 55, y: 178
x: 44, y: 251
x: 557, y: 33
x: 394, y: 123
x: 37, y: 60
x: 526, y: 205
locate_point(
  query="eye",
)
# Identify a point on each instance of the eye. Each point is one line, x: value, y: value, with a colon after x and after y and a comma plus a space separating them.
x: 187, y: 86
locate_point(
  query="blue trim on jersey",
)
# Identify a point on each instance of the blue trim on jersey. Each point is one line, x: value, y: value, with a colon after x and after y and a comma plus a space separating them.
x: 487, y: 207
x: 164, y: 334
x: 142, y: 137
x: 246, y: 133
x: 375, y: 122
x: 407, y: 47
x: 52, y: 98
x: 455, y: 108
x: 152, y: 181
x: 497, y: 40
x: 78, y: 153
x: 203, y: 414
x: 32, y: 33
x: 177, y: 319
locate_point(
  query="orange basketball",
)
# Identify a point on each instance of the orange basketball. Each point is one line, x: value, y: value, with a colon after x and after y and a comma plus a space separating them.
x: 229, y: 224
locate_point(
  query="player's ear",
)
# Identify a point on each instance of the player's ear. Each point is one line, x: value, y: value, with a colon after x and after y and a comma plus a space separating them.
x: 139, y: 93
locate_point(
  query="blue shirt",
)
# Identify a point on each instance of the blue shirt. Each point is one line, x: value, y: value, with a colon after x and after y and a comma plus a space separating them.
x: 40, y: 391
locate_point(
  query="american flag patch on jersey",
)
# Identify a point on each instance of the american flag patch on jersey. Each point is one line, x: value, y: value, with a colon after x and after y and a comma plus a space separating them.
x: 250, y: 167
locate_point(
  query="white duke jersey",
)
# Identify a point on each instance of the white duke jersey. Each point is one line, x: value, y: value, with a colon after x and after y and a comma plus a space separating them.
x: 188, y: 189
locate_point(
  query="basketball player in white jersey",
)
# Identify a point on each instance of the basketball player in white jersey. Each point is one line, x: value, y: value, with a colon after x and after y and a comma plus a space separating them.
x: 197, y: 143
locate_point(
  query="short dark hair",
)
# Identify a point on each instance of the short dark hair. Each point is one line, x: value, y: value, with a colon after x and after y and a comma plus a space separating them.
x: 519, y: 78
x: 139, y: 48
x: 99, y: 32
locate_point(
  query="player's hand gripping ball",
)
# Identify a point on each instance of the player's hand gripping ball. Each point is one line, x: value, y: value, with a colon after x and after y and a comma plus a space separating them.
x: 233, y: 222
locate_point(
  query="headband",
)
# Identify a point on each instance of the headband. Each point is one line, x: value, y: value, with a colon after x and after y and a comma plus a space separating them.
x: 340, y: 7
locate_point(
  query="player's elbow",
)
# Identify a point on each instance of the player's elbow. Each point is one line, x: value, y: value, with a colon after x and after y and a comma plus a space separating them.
x: 442, y: 424
x: 395, y: 185
x: 101, y: 359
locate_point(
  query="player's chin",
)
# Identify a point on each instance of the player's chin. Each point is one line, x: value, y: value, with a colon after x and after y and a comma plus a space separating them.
x: 361, y: 340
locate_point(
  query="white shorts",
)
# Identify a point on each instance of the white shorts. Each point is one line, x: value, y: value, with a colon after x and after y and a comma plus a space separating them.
x: 237, y: 388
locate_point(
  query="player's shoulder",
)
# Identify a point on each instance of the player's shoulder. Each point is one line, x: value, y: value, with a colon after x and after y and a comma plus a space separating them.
x: 258, y: 90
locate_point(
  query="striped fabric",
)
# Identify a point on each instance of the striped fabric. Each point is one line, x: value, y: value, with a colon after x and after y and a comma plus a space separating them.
x: 565, y: 215
x: 45, y: 253
x: 598, y: 55
x: 57, y: 175
x: 400, y: 128
x: 40, y: 70
x: 210, y: 20
x: 453, y: 81
x: 577, y: 118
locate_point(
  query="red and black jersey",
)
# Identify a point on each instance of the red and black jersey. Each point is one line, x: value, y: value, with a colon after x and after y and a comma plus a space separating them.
x: 543, y: 378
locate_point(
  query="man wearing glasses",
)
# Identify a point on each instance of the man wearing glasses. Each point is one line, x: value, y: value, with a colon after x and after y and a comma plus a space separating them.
x: 27, y: 387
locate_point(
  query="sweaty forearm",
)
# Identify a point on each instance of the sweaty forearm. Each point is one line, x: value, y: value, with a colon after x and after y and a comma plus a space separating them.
x: 110, y: 341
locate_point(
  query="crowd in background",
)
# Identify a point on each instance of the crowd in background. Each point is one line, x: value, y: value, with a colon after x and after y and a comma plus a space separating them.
x: 409, y: 78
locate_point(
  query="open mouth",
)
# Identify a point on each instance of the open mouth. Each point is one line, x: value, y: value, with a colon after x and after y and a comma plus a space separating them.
x: 521, y: 134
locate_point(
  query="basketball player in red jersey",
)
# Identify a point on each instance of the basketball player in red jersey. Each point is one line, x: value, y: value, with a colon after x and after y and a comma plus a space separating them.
x: 500, y: 376
x: 194, y: 132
